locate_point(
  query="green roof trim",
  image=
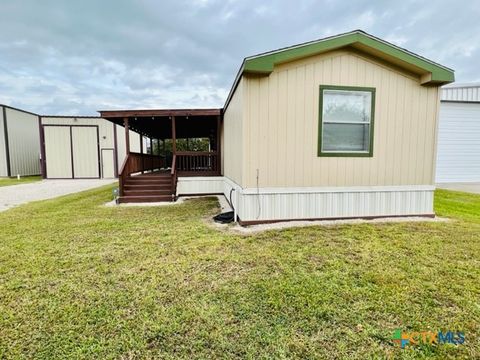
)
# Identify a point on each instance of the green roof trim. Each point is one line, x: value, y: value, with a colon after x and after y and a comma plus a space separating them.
x: 429, y: 72
x: 264, y: 63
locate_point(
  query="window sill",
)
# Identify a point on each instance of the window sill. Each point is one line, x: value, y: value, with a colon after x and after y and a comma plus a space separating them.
x: 345, y: 154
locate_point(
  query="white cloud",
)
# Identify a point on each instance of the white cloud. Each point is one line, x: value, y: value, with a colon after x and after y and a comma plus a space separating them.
x: 67, y: 57
x: 365, y: 20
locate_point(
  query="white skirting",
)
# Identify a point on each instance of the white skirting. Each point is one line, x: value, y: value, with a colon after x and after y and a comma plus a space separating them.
x: 274, y: 204
x: 200, y: 185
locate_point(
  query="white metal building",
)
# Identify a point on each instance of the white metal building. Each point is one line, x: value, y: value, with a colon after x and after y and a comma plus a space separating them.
x: 61, y: 147
x: 19, y: 142
x: 458, y: 150
x: 83, y: 147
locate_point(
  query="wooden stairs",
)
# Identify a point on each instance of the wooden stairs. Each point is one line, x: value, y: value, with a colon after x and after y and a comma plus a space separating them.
x: 151, y: 187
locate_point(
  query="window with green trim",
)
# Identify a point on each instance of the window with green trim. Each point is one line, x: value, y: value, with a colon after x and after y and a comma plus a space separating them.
x: 346, y: 121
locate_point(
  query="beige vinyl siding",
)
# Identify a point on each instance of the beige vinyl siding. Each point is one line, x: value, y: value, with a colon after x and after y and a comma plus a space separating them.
x: 23, y: 142
x: 222, y: 147
x: 3, y: 149
x: 282, y: 115
x: 233, y: 136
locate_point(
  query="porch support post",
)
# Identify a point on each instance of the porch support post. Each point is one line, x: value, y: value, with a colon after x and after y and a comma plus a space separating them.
x: 151, y: 146
x: 141, y: 152
x: 219, y: 157
x: 164, y: 153
x: 174, y: 136
x: 127, y: 135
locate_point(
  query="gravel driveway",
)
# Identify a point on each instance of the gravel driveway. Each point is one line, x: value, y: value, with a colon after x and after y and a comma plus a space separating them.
x: 465, y: 187
x: 15, y: 195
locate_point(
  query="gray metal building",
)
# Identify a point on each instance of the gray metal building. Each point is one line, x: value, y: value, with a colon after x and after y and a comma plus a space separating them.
x: 19, y: 142
x: 458, y: 149
x: 61, y: 147
x: 83, y: 147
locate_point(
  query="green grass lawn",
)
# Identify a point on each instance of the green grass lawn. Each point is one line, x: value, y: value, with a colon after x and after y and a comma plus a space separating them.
x: 15, y: 181
x: 80, y: 280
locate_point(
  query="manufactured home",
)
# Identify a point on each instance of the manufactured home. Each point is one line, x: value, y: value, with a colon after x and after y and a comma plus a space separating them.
x: 458, y: 154
x: 341, y: 127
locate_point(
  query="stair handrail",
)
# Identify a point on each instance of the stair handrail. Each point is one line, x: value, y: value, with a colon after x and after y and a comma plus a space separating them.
x: 173, y: 172
x: 131, y: 165
x: 123, y: 174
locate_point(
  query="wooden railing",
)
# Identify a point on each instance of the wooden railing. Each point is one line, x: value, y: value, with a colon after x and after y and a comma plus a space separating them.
x: 136, y: 163
x: 174, y: 174
x: 197, y: 163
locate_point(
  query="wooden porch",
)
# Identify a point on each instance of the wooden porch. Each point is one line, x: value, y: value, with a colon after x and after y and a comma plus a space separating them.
x: 152, y: 176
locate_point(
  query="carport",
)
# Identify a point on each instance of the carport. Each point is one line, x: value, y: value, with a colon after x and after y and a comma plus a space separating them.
x: 166, y: 165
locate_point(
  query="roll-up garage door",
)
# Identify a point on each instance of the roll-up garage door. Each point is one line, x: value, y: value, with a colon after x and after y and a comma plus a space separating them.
x: 71, y: 151
x: 458, y: 152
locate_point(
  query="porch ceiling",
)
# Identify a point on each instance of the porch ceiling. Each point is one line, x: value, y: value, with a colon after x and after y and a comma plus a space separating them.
x: 190, y: 123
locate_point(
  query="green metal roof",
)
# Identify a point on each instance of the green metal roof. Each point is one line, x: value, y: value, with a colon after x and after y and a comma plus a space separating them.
x: 430, y: 72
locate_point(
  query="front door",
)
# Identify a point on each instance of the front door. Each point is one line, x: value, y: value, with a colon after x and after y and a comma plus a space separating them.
x: 108, y: 163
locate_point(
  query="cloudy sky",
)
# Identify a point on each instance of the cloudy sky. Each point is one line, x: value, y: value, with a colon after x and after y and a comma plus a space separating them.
x: 76, y: 57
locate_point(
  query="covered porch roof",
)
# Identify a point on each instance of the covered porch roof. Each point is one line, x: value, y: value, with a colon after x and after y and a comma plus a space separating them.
x: 157, y: 123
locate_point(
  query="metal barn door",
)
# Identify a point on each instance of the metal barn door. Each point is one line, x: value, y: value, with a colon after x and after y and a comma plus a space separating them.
x: 58, y: 152
x: 458, y: 149
x: 108, y: 163
x: 86, y: 163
